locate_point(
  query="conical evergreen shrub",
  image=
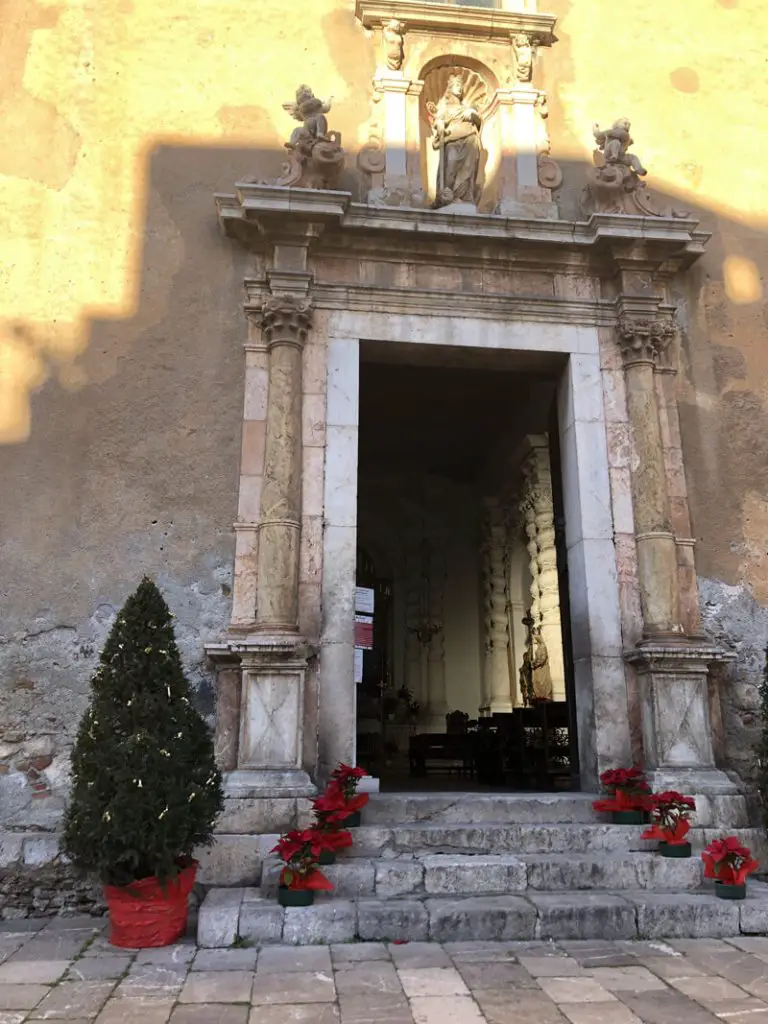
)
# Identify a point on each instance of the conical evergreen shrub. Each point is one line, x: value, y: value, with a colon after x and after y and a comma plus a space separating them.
x: 146, y: 790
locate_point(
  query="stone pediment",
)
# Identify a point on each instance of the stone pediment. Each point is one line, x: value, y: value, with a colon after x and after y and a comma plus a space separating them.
x: 458, y: 22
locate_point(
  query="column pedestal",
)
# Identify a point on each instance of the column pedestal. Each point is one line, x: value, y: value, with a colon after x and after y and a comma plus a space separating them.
x: 677, y: 729
x: 266, y: 787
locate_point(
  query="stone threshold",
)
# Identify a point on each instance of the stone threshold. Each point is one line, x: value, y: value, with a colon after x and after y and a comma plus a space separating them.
x: 228, y: 916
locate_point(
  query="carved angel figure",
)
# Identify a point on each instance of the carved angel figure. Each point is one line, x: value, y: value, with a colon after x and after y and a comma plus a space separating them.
x: 311, y: 110
x: 316, y: 157
x: 525, y: 51
x: 392, y: 34
x: 614, y: 143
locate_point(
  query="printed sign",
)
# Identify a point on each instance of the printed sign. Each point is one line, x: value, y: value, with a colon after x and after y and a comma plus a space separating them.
x: 364, y: 632
x: 364, y: 600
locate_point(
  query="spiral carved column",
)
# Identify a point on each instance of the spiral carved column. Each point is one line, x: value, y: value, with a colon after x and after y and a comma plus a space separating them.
x: 539, y: 515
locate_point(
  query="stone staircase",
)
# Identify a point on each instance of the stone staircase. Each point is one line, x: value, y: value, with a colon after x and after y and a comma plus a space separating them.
x: 454, y: 867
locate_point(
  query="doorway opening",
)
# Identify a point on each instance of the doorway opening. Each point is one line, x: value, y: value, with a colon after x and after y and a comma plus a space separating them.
x: 464, y: 666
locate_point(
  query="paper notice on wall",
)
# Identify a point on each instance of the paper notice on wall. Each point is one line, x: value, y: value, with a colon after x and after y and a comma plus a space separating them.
x: 358, y: 665
x: 364, y: 600
x: 364, y: 632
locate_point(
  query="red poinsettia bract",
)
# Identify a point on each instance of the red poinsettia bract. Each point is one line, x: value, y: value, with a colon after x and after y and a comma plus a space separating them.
x: 727, y: 861
x: 670, y: 813
x: 626, y: 790
x: 300, y: 851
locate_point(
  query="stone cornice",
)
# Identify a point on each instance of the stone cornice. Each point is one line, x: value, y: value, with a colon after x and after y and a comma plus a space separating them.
x: 480, y: 305
x: 259, y: 215
x: 459, y: 22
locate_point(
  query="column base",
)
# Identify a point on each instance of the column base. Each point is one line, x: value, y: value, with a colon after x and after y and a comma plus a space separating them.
x: 677, y: 732
x: 719, y: 801
x: 434, y: 720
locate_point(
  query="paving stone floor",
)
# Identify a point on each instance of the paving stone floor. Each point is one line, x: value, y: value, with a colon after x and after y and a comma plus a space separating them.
x: 66, y: 970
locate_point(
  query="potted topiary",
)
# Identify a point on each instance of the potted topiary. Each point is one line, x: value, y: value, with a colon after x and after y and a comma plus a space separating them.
x: 145, y: 787
x: 300, y: 878
x: 345, y: 779
x: 670, y: 824
x: 626, y: 799
x: 729, y: 864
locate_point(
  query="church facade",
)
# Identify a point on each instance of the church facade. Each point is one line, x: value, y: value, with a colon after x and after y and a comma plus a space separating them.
x: 435, y: 399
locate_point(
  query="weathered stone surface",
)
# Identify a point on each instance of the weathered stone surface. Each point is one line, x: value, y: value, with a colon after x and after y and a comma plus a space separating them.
x: 517, y: 840
x: 331, y: 921
x: 233, y: 860
x: 464, y: 808
x: 586, y: 915
x: 217, y: 987
x: 613, y: 871
x: 217, y: 920
x: 753, y: 911
x: 499, y: 917
x: 294, y: 959
x: 392, y: 920
x: 681, y: 915
x: 225, y: 960
x: 261, y: 920
x: 399, y: 877
x: 447, y: 875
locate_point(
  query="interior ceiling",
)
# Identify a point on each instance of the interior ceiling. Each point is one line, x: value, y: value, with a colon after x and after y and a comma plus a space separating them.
x: 445, y: 421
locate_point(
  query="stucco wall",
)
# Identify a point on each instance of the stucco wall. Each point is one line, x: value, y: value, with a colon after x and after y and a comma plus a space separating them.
x: 120, y: 343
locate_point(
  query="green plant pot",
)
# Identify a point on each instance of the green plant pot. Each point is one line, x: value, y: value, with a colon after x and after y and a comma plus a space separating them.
x: 679, y: 850
x: 327, y: 857
x: 295, y: 897
x: 354, y: 820
x: 724, y: 891
x: 628, y: 817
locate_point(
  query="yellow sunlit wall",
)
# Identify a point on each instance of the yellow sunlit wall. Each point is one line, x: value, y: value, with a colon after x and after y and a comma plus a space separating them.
x: 121, y: 117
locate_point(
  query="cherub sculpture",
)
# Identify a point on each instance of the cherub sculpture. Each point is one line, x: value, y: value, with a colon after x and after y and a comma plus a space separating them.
x: 316, y: 157
x: 615, y: 184
x: 615, y: 142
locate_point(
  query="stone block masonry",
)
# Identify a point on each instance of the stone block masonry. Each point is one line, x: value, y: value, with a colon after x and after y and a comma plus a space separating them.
x: 66, y: 970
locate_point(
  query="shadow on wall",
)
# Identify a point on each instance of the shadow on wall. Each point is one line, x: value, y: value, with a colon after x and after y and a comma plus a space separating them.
x: 133, y: 467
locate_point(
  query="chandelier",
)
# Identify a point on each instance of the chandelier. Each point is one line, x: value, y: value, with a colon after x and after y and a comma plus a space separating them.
x: 425, y: 628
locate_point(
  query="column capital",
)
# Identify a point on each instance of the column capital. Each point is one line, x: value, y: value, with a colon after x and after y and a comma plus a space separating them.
x: 284, y: 320
x: 644, y: 329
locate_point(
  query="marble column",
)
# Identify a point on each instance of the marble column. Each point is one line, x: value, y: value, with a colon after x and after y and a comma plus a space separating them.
x: 285, y: 322
x: 438, y: 703
x: 485, y: 636
x: 673, y: 668
x: 540, y: 530
x: 643, y: 336
x: 413, y: 652
x: 500, y: 690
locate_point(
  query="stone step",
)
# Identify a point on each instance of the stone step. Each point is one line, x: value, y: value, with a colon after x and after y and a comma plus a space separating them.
x: 479, y: 808
x: 452, y: 875
x: 383, y: 842
x: 246, y: 915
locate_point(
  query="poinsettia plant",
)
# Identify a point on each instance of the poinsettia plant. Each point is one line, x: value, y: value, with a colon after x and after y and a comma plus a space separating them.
x: 627, y: 790
x: 670, y: 817
x: 727, y: 861
x: 299, y: 851
x: 330, y: 813
x: 344, y: 782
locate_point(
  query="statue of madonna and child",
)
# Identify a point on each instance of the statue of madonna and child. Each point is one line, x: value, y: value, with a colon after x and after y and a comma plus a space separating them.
x: 456, y: 134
